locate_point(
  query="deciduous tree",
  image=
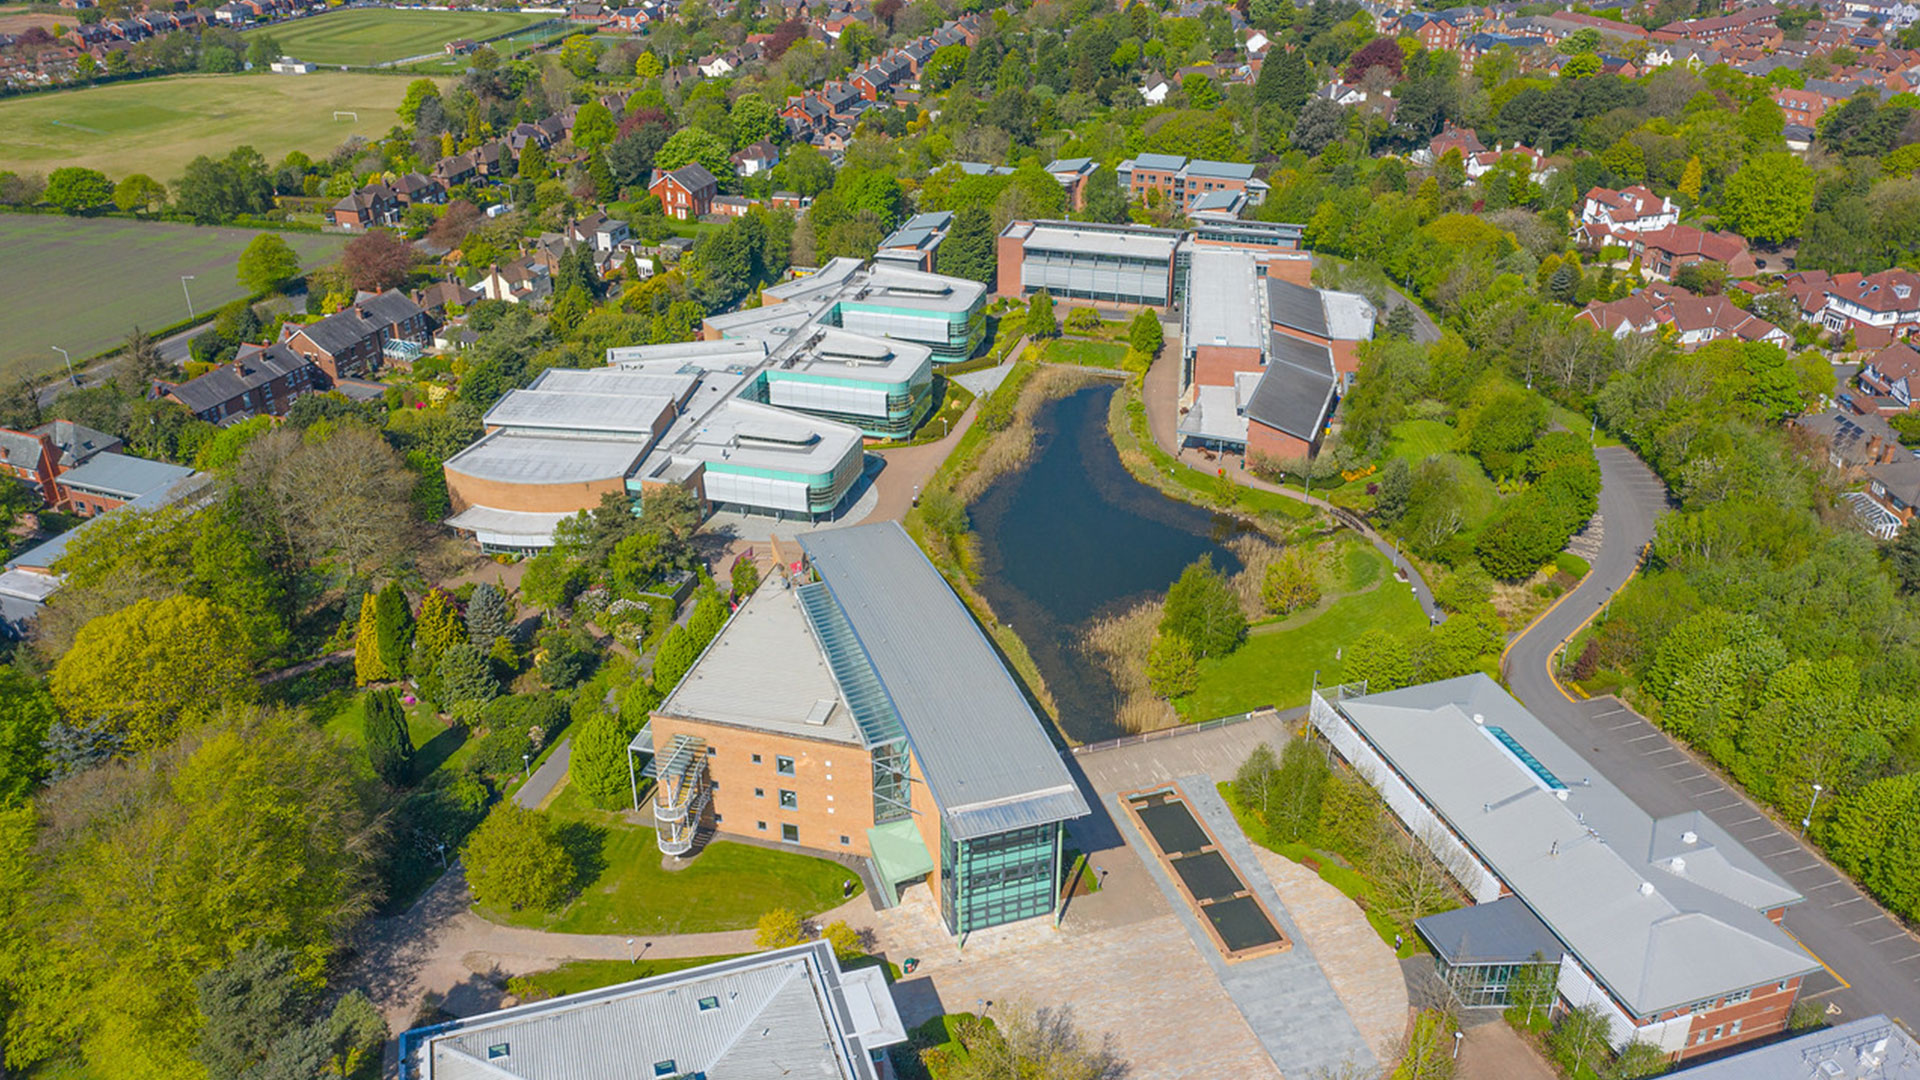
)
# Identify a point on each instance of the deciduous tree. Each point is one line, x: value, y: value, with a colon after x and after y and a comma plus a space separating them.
x: 515, y: 860
x: 152, y: 666
x: 1768, y: 199
x: 75, y: 190
x: 376, y: 261
x: 1202, y: 608
x: 267, y: 264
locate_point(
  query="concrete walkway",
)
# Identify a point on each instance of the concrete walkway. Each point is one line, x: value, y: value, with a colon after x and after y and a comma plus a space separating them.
x: 909, y: 468
x: 546, y: 779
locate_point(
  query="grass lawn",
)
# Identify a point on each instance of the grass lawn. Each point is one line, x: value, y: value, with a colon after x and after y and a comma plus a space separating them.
x: 1417, y: 440
x: 82, y: 284
x: 435, y: 744
x: 366, y: 37
x: 582, y: 975
x: 1276, y: 665
x: 1580, y: 425
x: 727, y: 886
x: 1086, y: 353
x: 156, y: 126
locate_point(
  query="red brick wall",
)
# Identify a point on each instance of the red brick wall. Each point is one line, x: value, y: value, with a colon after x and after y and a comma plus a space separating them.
x: 1216, y: 365
x: 1763, y: 1014
x: 1009, y: 252
x: 1274, y: 443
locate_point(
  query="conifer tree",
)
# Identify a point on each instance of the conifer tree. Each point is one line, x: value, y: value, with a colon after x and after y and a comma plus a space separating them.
x: 393, y: 629
x: 367, y: 665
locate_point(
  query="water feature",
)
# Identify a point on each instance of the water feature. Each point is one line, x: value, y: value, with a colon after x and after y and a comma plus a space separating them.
x: 1072, y: 537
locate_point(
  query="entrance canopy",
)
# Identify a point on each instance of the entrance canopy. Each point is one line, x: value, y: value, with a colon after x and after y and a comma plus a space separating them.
x: 899, y: 853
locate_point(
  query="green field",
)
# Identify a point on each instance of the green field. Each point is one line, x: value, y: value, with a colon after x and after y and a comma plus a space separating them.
x: 82, y: 284
x: 156, y: 126
x: 368, y: 37
x: 727, y: 886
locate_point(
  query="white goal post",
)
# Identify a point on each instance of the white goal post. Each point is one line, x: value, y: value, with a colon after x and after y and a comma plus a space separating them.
x: 338, y: 113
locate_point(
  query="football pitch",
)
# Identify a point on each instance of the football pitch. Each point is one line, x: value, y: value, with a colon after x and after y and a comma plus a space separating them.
x: 156, y: 126
x: 368, y: 37
x: 83, y: 284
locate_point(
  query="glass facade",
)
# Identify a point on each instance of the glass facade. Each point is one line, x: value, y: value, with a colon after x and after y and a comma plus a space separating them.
x: 1485, y: 986
x: 892, y: 784
x: 1002, y: 878
x: 1084, y: 275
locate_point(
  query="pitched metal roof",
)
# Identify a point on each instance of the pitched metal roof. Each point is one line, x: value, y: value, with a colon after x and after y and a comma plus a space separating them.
x: 1874, y: 1048
x: 124, y: 477
x: 1296, y: 307
x: 986, y: 754
x: 1663, y: 912
x: 1503, y: 932
x: 1296, y: 390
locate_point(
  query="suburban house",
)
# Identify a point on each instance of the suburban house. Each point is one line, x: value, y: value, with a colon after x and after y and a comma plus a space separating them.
x: 1667, y: 925
x: 436, y: 298
x: 414, y: 189
x: 1662, y: 252
x: 375, y: 204
x: 525, y: 280
x: 1893, y: 373
x: 108, y: 481
x: 1606, y: 213
x: 686, y: 192
x: 1451, y: 137
x: 758, y: 158
x: 853, y: 706
x: 32, y: 459
x: 1694, y: 320
x: 1888, y: 301
x: 353, y: 341
x: 260, y: 380
x: 790, y: 1011
x: 598, y: 231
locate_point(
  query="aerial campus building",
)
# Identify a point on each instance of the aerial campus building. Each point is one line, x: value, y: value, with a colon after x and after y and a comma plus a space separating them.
x: 1667, y: 924
x: 787, y: 1013
x: 852, y: 705
x: 768, y: 415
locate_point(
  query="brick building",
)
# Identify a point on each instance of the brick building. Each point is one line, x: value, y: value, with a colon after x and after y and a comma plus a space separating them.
x: 352, y: 342
x: 260, y: 380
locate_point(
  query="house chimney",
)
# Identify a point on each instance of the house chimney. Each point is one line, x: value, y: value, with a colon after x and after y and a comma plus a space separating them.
x: 1890, y: 453
x: 1873, y: 449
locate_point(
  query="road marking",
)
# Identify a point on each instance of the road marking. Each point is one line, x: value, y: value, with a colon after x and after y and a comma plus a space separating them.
x: 1609, y: 712
x: 1889, y: 937
x: 1679, y: 764
x: 1825, y: 885
x: 1764, y: 835
x: 1802, y: 869
x: 1904, y: 959
x: 1844, y: 984
x: 1875, y: 917
x: 1744, y: 820
x: 1844, y: 903
x: 1643, y: 738
x: 1635, y: 722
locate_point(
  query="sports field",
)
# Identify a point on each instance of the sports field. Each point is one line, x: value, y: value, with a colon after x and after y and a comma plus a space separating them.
x: 367, y: 37
x: 82, y: 284
x: 156, y: 126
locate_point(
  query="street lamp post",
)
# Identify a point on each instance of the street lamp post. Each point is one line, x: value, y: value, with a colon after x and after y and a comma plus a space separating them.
x: 1807, y: 822
x: 526, y: 761
x: 71, y: 377
x: 631, y: 959
x: 184, y: 278
x: 1457, y: 1036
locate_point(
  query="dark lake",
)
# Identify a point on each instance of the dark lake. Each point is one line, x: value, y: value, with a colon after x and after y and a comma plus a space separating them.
x: 1073, y: 536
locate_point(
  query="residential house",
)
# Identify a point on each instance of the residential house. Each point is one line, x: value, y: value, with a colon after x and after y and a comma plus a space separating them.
x: 260, y: 380
x: 522, y: 281
x: 1887, y: 302
x: 1801, y: 106
x: 1155, y: 90
x: 1694, y: 320
x: 686, y: 192
x: 1606, y: 213
x: 353, y: 341
x: 1893, y: 486
x: 1893, y: 373
x: 1476, y: 45
x: 789, y: 200
x: 77, y: 443
x: 454, y: 169
x: 33, y: 460
x: 1465, y: 140
x: 731, y: 206
x: 1662, y: 252
x: 371, y: 206
x: 414, y: 189
x: 629, y: 20
x: 436, y: 298
x: 758, y: 158
x: 598, y: 231
x: 109, y: 481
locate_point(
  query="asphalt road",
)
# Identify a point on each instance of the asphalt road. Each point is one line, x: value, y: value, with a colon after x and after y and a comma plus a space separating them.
x: 1872, y: 963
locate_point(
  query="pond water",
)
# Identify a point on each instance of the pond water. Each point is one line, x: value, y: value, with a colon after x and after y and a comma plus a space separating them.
x: 1073, y: 536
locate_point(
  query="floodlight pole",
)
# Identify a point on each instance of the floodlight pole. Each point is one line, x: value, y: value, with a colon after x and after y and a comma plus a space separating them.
x: 184, y: 278
x: 1807, y: 822
x: 71, y: 377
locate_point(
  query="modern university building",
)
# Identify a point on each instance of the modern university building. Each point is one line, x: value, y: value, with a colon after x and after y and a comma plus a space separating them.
x: 852, y: 705
x: 768, y: 415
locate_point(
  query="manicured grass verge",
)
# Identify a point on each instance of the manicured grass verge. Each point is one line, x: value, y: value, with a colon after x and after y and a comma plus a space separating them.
x: 1351, y: 883
x: 1085, y: 352
x: 1127, y: 425
x: 365, y: 37
x: 83, y: 284
x: 581, y: 975
x: 1277, y: 663
x: 156, y: 126
x: 727, y: 886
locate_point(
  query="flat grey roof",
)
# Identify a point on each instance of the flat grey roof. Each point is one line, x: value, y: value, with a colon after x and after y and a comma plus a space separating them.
x: 747, y: 434
x: 781, y: 1014
x: 124, y: 477
x: 1158, y: 161
x: 1503, y: 932
x: 832, y: 353
x: 897, y: 286
x: 514, y: 458
x: 633, y: 415
x: 765, y: 671
x: 1061, y: 237
x: 1223, y: 300
x: 1350, y: 316
x: 1664, y: 913
x: 1225, y: 170
x: 727, y: 349
x: 515, y: 526
x: 614, y: 380
x: 1873, y: 1048
x: 1296, y: 307
x: 986, y: 754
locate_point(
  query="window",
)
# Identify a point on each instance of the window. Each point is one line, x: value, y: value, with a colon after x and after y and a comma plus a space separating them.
x: 1738, y: 996
x: 498, y: 1050
x: 845, y: 840
x: 756, y: 759
x: 1735, y: 1029
x: 789, y: 800
x: 759, y: 793
x: 665, y: 1068
x: 717, y: 819
x: 712, y: 750
x: 708, y: 1004
x: 1717, y: 1029
x: 760, y: 825
x: 790, y: 833
x: 783, y: 766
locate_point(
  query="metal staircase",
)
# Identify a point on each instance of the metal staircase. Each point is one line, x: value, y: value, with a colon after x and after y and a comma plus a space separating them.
x: 680, y: 794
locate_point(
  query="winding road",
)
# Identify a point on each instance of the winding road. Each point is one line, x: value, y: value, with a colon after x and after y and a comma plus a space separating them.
x: 1871, y: 961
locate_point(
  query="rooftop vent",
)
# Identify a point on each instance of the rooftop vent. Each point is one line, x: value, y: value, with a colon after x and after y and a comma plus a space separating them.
x: 1480, y: 718
x: 1677, y: 864
x: 1689, y: 837
x: 1646, y: 888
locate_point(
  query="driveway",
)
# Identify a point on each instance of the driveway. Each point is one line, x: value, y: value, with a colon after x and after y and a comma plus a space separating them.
x: 1871, y: 962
